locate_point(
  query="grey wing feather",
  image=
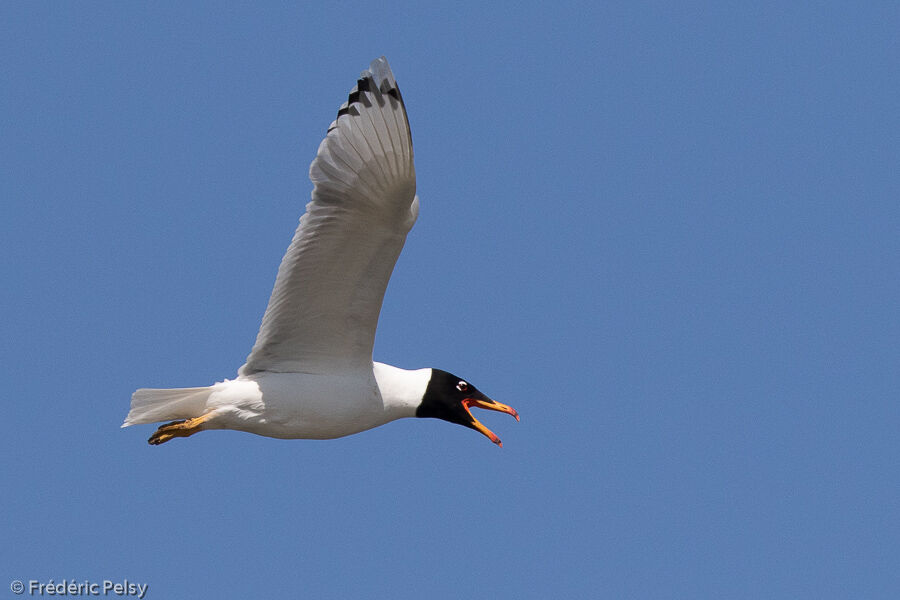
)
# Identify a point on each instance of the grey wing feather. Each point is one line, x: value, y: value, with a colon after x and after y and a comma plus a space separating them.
x: 324, y: 308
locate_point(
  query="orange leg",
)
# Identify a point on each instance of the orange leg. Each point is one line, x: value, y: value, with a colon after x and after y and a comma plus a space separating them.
x: 178, y: 429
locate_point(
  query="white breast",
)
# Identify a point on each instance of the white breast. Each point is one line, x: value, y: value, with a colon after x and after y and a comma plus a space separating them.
x: 314, y: 406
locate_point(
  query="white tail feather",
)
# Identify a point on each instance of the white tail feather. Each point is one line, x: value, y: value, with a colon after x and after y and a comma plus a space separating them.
x: 154, y: 405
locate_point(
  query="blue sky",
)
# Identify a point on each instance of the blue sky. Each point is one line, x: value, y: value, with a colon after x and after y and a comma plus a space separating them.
x: 668, y: 235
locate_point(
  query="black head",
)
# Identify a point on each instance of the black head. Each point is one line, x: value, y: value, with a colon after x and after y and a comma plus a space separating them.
x: 449, y: 397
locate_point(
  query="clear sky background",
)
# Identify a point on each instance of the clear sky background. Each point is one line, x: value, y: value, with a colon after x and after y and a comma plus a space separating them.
x: 668, y: 235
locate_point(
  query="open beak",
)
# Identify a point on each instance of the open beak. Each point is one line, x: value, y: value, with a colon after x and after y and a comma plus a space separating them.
x: 484, y: 402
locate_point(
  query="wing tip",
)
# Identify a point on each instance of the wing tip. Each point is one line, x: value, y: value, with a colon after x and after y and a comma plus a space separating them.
x: 378, y: 77
x: 380, y: 70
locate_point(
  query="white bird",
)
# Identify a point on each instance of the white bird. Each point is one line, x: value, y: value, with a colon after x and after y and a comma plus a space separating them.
x: 311, y: 374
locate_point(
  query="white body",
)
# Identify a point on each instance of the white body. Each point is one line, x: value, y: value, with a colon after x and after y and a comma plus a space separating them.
x: 295, y: 405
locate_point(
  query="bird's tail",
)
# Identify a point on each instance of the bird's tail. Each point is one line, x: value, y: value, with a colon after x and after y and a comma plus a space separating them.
x: 153, y: 405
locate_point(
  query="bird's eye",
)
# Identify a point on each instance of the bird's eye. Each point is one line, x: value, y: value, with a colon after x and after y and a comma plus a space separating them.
x: 462, y: 386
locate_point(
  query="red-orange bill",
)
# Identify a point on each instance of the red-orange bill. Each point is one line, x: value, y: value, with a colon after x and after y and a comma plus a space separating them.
x: 488, y: 404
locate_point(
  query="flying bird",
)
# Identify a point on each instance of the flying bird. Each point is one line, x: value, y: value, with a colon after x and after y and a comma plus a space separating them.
x: 310, y: 373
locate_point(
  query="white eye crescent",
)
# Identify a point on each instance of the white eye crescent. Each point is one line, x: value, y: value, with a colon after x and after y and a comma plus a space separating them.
x: 462, y: 386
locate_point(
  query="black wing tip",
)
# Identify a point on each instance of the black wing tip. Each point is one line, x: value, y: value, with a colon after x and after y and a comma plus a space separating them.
x: 377, y: 78
x: 384, y: 77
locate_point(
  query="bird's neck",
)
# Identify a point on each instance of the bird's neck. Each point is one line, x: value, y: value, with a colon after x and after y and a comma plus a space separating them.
x: 401, y: 390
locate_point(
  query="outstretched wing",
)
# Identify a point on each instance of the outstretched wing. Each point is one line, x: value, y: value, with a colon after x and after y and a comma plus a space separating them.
x: 324, y: 309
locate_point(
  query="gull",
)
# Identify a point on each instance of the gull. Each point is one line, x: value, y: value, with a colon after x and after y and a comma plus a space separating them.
x: 310, y: 374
